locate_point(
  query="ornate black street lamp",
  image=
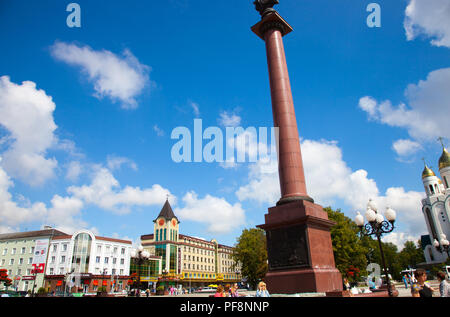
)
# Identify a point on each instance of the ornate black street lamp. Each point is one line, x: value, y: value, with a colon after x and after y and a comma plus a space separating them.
x: 139, y: 256
x: 377, y: 226
x: 442, y: 245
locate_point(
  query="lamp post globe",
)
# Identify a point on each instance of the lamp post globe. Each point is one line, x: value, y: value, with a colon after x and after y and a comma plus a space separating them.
x: 390, y: 214
x: 372, y: 205
x: 359, y: 219
x: 379, y: 218
x: 371, y: 215
x: 436, y: 244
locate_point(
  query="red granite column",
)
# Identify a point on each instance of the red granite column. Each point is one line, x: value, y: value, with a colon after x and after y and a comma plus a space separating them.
x: 299, y: 246
x: 291, y: 173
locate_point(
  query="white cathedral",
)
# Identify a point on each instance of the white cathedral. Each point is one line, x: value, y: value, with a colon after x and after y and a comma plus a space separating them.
x: 436, y: 209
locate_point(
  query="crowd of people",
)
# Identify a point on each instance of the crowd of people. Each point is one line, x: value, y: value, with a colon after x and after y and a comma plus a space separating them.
x: 417, y: 282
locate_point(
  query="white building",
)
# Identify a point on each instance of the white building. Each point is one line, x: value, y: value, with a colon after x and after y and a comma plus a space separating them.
x: 436, y: 208
x: 92, y: 260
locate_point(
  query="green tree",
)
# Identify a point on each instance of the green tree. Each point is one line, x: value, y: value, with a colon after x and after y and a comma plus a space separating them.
x: 251, y: 252
x: 411, y: 254
x: 348, y: 249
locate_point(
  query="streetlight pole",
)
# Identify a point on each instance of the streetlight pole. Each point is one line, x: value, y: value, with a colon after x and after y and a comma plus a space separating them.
x: 377, y: 226
x: 139, y: 256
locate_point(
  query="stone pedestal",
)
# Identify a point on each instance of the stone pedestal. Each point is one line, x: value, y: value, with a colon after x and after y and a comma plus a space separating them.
x: 299, y: 249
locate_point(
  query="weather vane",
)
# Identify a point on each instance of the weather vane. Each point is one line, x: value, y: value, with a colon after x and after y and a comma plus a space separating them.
x: 265, y: 7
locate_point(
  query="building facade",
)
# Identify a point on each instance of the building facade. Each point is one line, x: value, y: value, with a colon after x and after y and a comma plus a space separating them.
x: 18, y: 256
x: 186, y: 260
x: 436, y: 208
x: 83, y: 262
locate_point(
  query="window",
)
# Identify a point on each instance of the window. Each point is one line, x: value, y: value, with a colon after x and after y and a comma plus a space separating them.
x: 121, y: 271
x: 22, y: 251
x: 11, y: 262
x: 51, y: 271
x: 5, y: 251
x: 114, y: 260
x: 28, y: 271
x: 13, y: 251
x: 53, y: 259
x: 21, y: 261
x: 55, y: 247
x: 64, y: 247
x: 32, y: 250
x: 113, y: 272
x: 99, y: 249
x: 122, y: 261
x: 81, y: 252
x: 97, y: 259
x: 106, y: 260
x: 63, y: 259
x: 3, y: 262
x: 122, y: 251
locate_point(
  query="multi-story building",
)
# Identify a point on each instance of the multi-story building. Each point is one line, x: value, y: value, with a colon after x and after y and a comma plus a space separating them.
x: 83, y: 262
x: 436, y: 208
x: 17, y: 256
x: 188, y: 260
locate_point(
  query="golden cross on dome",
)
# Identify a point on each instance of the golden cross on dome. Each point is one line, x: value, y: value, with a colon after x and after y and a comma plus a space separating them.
x: 441, y: 139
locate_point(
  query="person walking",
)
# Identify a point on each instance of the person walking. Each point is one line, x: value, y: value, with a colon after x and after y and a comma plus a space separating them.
x: 227, y: 290
x: 147, y: 292
x: 234, y: 290
x: 405, y: 280
x: 444, y: 287
x: 421, y: 288
x: 219, y: 291
x: 262, y: 290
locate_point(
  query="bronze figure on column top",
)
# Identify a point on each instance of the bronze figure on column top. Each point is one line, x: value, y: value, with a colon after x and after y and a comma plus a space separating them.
x: 265, y: 7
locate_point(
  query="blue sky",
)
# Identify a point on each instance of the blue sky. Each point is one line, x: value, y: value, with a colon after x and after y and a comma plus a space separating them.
x: 134, y: 71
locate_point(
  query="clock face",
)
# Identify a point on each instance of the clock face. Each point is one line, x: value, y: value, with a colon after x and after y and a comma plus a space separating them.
x: 161, y: 222
x: 174, y: 222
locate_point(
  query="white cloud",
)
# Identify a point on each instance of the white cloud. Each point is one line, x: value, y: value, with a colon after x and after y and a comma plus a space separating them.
x: 74, y: 170
x: 27, y: 115
x: 158, y: 130
x: 330, y: 180
x: 218, y: 214
x: 430, y: 18
x: 120, y: 78
x: 64, y: 213
x: 195, y: 108
x: 115, y: 162
x: 427, y: 111
x: 399, y: 239
x: 229, y: 119
x: 106, y: 193
x: 405, y: 147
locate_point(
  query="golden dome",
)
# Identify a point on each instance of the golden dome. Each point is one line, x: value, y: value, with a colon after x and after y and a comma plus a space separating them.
x: 427, y: 172
x: 444, y: 161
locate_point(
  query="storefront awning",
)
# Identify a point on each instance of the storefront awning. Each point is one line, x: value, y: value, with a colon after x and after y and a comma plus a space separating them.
x: 59, y: 283
x: 95, y: 283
